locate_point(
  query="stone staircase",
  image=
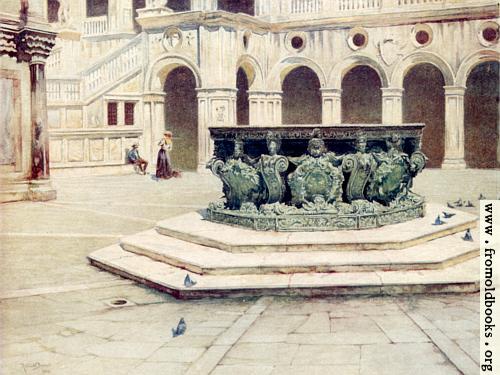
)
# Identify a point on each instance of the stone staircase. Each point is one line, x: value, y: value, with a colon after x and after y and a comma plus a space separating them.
x: 411, y: 257
x: 113, y: 69
x: 97, y: 79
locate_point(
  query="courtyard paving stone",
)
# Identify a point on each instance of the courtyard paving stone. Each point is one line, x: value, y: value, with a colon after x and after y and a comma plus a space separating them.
x: 54, y: 316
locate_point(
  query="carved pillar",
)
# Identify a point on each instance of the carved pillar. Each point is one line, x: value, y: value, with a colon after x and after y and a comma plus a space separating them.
x: 216, y: 107
x: 265, y: 108
x: 39, y: 127
x: 454, y: 128
x: 331, y: 106
x: 35, y: 47
x: 274, y: 108
x: 392, y: 105
x: 256, y: 102
x: 154, y: 122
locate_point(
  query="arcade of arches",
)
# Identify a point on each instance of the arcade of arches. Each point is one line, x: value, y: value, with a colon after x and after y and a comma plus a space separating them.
x: 423, y: 100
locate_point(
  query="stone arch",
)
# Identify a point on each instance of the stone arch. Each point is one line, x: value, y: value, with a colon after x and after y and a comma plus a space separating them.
x: 340, y: 69
x: 421, y: 57
x: 285, y: 66
x: 162, y: 66
x: 471, y: 61
x: 253, y: 70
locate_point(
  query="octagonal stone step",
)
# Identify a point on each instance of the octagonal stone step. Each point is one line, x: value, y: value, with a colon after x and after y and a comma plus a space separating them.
x: 459, y: 278
x: 193, y: 228
x: 435, y: 254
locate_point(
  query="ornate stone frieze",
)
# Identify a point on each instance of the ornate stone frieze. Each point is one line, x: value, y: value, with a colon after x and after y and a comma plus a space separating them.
x: 301, y: 182
x: 340, y: 132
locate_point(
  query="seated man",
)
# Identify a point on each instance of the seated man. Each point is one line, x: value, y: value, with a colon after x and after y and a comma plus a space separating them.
x: 134, y: 158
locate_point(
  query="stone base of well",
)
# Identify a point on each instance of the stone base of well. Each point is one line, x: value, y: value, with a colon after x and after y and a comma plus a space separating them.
x: 319, y: 217
x: 411, y: 257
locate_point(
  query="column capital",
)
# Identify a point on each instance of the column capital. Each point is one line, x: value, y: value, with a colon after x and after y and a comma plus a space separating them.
x: 392, y: 91
x: 454, y: 90
x: 36, y: 45
x: 264, y: 93
x: 216, y: 93
x: 154, y: 96
x: 329, y: 91
x: 217, y: 90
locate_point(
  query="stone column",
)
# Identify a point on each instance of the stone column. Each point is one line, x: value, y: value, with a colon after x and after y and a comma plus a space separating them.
x: 274, y: 111
x: 265, y: 108
x: 154, y: 122
x: 454, y: 128
x: 216, y: 107
x: 331, y: 106
x: 392, y: 105
x: 39, y: 127
x: 36, y: 47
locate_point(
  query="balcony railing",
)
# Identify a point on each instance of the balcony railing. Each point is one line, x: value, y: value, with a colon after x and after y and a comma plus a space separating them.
x: 297, y: 9
x: 63, y: 90
x: 356, y: 5
x: 306, y: 6
x: 95, y: 26
x: 419, y: 2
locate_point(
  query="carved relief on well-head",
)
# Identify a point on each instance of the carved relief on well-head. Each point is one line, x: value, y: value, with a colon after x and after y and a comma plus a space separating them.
x: 359, y: 167
x: 392, y: 177
x: 317, y: 176
x: 271, y: 167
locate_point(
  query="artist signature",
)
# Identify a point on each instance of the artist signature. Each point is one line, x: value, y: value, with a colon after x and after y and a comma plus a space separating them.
x: 31, y: 366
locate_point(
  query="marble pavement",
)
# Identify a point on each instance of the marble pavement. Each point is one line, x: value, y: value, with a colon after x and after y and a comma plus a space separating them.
x: 56, y: 316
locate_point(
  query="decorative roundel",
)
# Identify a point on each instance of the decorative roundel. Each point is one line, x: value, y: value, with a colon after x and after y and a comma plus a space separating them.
x: 246, y: 39
x: 172, y: 38
x: 358, y: 38
x: 489, y: 34
x: 295, y: 41
x: 421, y: 35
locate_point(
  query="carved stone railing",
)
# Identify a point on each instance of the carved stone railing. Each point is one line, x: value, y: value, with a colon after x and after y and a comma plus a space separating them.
x: 303, y: 178
x: 306, y: 6
x: 96, y: 79
x: 404, y: 3
x: 84, y: 147
x: 95, y: 26
x: 113, y: 67
x: 63, y: 90
x: 356, y: 5
x: 304, y: 9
